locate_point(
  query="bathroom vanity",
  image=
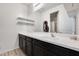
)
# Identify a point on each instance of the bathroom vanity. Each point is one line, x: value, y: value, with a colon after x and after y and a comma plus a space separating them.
x: 42, y: 44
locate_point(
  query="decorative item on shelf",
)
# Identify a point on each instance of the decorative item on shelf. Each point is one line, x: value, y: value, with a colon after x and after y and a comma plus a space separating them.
x: 45, y: 26
x: 24, y: 21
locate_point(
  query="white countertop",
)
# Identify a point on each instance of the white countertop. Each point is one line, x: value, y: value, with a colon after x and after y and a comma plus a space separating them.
x: 60, y: 40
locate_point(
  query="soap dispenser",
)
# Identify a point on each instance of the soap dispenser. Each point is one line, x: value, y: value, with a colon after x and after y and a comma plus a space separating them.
x: 45, y: 26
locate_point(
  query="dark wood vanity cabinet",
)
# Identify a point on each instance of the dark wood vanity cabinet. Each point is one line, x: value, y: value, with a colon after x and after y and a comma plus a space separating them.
x: 25, y: 43
x: 34, y: 47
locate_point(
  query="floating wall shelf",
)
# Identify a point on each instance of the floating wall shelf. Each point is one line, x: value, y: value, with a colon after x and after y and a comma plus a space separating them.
x: 24, y: 21
x: 20, y: 18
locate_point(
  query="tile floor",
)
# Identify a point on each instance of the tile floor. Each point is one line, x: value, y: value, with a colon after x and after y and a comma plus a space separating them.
x: 15, y: 52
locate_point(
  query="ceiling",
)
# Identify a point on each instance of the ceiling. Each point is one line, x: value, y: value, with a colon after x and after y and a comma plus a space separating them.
x: 47, y: 6
x: 70, y: 7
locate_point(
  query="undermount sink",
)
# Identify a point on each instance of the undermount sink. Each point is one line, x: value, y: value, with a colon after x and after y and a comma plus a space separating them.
x: 74, y: 37
x: 59, y: 36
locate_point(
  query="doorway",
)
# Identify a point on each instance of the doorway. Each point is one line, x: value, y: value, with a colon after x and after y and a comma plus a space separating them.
x: 53, y: 21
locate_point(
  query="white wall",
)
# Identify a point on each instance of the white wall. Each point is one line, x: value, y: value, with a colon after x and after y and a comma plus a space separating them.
x: 8, y: 25
x: 77, y: 23
x: 36, y: 16
x: 62, y: 18
x: 8, y: 28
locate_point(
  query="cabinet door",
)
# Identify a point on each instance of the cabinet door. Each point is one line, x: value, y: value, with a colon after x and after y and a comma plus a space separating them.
x: 20, y: 41
x: 38, y: 51
x: 29, y: 49
x: 24, y: 44
x: 28, y: 46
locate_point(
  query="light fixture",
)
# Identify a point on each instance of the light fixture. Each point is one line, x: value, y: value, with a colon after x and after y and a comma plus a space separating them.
x: 37, y: 6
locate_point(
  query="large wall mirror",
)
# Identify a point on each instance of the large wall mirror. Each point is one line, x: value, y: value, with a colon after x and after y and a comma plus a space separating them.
x: 53, y: 21
x: 67, y: 26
